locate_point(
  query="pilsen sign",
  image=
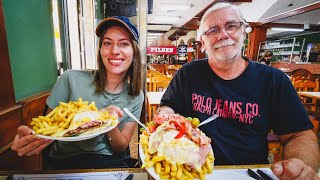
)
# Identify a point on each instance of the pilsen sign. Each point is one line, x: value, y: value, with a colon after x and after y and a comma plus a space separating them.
x: 162, y: 50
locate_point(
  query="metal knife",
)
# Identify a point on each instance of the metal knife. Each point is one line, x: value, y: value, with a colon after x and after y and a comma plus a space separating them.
x: 129, y: 177
x: 264, y: 175
x: 254, y: 175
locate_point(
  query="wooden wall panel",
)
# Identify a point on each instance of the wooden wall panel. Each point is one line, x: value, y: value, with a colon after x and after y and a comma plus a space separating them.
x: 6, y: 91
x: 12, y: 113
x: 10, y: 120
x: 33, y: 106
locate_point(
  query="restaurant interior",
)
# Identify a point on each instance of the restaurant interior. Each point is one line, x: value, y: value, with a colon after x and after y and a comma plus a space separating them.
x: 40, y: 39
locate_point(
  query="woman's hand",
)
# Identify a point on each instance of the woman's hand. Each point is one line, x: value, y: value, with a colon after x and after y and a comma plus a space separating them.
x: 293, y: 169
x: 114, y: 111
x: 27, y: 144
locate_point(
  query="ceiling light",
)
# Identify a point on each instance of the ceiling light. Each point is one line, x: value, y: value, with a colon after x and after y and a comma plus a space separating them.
x: 170, y: 7
x: 155, y: 34
x: 159, y: 27
x: 286, y: 29
x: 166, y: 18
x: 152, y: 37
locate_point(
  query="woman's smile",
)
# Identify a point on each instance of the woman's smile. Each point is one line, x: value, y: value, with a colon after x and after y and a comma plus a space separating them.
x: 116, y: 51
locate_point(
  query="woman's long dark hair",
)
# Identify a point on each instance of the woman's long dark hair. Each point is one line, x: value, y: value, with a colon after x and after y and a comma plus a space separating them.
x: 134, y: 74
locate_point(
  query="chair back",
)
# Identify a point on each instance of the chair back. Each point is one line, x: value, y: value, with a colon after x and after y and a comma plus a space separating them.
x: 161, y: 85
x: 151, y: 85
x: 303, y: 73
x: 306, y: 85
x: 298, y: 78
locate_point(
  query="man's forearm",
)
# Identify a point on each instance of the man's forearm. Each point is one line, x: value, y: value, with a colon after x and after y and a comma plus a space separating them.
x: 165, y: 110
x: 303, y: 146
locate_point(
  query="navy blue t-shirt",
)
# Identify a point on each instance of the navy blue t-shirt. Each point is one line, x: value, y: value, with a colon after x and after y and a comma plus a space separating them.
x: 260, y: 99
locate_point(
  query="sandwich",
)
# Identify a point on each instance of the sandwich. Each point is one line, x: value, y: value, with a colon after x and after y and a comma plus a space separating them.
x: 86, y: 122
x: 71, y: 119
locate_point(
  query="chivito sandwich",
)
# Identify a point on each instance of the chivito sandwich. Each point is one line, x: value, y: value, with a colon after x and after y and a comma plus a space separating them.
x: 75, y: 118
x: 86, y: 122
x: 176, y: 140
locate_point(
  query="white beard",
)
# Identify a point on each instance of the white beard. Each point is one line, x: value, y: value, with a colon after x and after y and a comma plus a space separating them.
x: 224, y: 43
x: 227, y: 55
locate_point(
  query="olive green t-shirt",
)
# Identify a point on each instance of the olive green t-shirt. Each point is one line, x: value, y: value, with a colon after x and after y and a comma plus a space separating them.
x: 75, y: 84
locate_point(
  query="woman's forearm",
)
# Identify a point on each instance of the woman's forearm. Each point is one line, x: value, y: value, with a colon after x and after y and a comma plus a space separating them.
x: 119, y: 140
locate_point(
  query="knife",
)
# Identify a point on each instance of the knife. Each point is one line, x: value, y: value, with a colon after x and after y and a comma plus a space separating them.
x: 254, y: 175
x: 264, y: 175
x: 129, y: 177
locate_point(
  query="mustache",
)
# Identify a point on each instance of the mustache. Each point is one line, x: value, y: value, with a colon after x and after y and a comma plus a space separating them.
x: 224, y: 43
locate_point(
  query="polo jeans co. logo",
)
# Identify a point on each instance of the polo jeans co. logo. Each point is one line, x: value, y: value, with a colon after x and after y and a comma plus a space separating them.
x: 245, y: 113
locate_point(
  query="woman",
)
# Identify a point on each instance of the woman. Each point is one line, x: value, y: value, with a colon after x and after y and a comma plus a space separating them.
x: 116, y: 84
x: 265, y: 59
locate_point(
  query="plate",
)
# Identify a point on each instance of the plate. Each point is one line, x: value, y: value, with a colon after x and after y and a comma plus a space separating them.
x: 80, y: 137
x: 152, y: 171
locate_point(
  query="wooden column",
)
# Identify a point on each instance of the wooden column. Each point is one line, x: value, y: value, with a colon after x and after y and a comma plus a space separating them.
x: 189, y: 59
x: 199, y: 53
x: 6, y: 91
x: 257, y: 35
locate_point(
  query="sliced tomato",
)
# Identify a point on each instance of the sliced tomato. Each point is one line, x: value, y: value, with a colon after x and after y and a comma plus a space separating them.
x: 159, y: 119
x: 181, y: 127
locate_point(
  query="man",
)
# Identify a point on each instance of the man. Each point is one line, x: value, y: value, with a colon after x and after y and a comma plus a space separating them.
x: 265, y: 59
x: 250, y: 98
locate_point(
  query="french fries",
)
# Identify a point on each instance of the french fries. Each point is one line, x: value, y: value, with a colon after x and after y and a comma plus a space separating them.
x: 60, y: 117
x: 166, y: 170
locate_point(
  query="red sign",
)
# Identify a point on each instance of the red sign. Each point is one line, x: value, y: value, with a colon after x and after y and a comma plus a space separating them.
x: 162, y: 50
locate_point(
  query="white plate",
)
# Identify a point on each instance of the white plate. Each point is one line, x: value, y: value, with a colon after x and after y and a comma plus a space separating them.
x: 152, y: 171
x: 80, y: 137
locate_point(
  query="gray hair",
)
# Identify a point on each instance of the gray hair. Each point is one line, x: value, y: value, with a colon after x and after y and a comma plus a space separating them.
x: 218, y: 6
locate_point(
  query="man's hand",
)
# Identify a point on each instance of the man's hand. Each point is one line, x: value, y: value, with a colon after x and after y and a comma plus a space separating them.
x: 165, y: 110
x: 293, y: 169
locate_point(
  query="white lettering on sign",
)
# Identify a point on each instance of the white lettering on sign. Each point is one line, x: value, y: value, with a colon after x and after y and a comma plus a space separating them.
x: 167, y: 50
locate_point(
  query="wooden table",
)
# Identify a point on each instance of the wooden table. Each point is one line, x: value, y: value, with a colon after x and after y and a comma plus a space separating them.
x: 153, y: 102
x: 139, y: 173
x: 313, y: 95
